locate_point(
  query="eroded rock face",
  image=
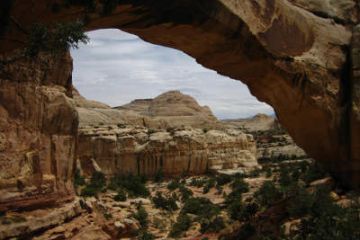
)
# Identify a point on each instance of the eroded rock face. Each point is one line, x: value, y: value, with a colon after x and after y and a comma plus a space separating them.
x: 292, y: 55
x: 38, y: 127
x: 174, y: 109
x: 171, y: 133
x: 137, y: 150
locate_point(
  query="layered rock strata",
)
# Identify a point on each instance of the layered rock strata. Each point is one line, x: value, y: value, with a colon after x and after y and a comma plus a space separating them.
x: 137, y: 150
x: 38, y: 127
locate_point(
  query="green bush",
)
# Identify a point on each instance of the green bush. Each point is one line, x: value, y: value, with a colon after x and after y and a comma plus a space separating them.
x: 107, y: 215
x: 314, y: 172
x: 246, y: 231
x: 197, y: 182
x: 243, y: 212
x: 202, y: 207
x: 254, y: 173
x: 57, y: 39
x: 223, y: 179
x: 328, y: 221
x: 174, y: 184
x: 134, y: 185
x: 268, y: 172
x: 96, y: 185
x: 239, y: 186
x: 120, y: 196
x: 142, y: 216
x: 186, y: 193
x: 214, y: 226
x: 78, y: 179
x: 208, y: 185
x: 143, y: 235
x: 168, y: 204
x: 267, y: 194
x: 301, y: 202
x: 182, y: 224
x: 284, y: 177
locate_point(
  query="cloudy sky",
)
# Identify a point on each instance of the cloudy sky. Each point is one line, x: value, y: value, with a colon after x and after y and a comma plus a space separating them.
x: 117, y: 67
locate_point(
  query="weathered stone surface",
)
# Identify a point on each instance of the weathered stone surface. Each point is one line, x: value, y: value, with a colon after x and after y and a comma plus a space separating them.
x: 174, y: 109
x: 289, y: 57
x: 38, y: 126
x: 272, y: 141
x: 40, y: 219
x: 169, y: 110
x: 139, y: 151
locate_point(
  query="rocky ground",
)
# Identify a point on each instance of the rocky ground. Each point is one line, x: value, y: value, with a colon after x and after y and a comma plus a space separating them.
x: 188, y: 182
x: 298, y: 196
x: 272, y: 141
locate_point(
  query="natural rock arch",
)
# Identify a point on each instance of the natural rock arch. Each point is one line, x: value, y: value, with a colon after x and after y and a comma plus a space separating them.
x: 292, y: 55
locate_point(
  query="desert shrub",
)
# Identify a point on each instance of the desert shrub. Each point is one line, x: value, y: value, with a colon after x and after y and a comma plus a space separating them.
x: 201, y: 207
x: 134, y: 185
x: 78, y: 179
x: 243, y: 212
x: 267, y: 194
x: 174, y: 184
x: 143, y: 235
x: 301, y: 202
x: 268, y: 172
x: 120, y: 196
x: 142, y: 216
x: 246, y: 231
x: 223, y: 179
x: 254, y: 173
x: 284, y: 177
x: 107, y: 215
x: 239, y: 186
x: 208, y: 185
x: 214, y: 225
x: 96, y: 185
x: 186, y: 193
x: 151, y: 131
x: 313, y: 172
x: 168, y: 204
x: 57, y: 39
x: 327, y: 220
x: 197, y: 182
x: 182, y: 224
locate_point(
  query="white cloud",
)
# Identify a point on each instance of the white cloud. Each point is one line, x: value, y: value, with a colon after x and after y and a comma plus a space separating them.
x: 117, y: 67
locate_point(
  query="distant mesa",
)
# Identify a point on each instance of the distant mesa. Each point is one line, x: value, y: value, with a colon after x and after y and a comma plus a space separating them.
x: 170, y: 109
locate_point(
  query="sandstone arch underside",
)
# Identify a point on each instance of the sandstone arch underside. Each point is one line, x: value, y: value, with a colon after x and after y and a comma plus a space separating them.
x: 293, y: 54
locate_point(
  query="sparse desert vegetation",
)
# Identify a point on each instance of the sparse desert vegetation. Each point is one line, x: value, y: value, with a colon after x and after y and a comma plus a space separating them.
x: 299, y: 194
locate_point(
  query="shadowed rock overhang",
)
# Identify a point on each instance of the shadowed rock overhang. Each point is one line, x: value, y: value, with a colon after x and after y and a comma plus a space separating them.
x: 292, y: 54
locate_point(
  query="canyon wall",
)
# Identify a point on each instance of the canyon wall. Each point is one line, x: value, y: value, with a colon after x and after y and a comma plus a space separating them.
x: 38, y: 128
x: 294, y: 55
x: 170, y: 133
x: 136, y: 150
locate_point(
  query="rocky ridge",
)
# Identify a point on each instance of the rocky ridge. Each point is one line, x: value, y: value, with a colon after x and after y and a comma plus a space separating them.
x: 272, y: 140
x: 181, y: 147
